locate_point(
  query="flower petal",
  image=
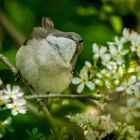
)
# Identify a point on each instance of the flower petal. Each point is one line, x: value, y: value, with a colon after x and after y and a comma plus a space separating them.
x: 106, y: 57
x: 103, y: 50
x: 132, y: 79
x: 22, y: 110
x: 129, y: 91
x: 80, y: 88
x: 76, y: 80
x: 112, y: 50
x: 14, y: 112
x: 95, y: 48
x: 121, y: 88
x: 16, y: 89
x: 88, y: 64
x: 90, y: 85
x: 9, y: 105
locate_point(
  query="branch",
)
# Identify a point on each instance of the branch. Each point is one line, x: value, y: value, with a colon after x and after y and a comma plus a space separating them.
x: 70, y: 96
x: 9, y: 29
x: 5, y: 61
x: 45, y: 110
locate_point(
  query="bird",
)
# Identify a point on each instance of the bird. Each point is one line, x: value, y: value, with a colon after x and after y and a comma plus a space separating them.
x: 48, y: 57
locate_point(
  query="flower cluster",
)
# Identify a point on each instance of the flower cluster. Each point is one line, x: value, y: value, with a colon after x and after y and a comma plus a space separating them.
x: 11, y: 97
x: 103, y: 127
x: 131, y: 110
x: 130, y: 85
x: 115, y: 67
x: 110, y: 63
x: 84, y: 78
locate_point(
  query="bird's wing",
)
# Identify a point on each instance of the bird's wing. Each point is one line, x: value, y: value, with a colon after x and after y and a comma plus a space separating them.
x: 75, y: 55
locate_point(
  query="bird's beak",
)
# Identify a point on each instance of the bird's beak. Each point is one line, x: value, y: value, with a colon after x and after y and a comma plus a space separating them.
x: 79, y: 42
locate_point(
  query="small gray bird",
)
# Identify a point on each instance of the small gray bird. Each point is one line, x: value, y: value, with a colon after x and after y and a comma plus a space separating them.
x: 47, y: 58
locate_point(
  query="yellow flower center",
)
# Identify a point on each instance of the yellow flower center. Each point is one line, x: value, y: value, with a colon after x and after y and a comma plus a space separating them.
x: 15, y: 106
x: 11, y: 94
x: 2, y: 102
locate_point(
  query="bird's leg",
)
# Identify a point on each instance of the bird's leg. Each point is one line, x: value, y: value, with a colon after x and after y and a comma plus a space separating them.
x: 18, y: 76
x: 44, y: 101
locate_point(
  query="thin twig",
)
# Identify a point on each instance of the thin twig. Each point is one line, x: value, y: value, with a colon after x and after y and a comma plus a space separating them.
x: 46, y: 112
x: 70, y: 96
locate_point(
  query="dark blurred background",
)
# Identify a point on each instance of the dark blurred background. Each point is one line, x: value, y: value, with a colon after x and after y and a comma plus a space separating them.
x: 95, y: 20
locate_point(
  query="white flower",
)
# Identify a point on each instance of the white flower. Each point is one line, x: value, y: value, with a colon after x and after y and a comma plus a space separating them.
x: 112, y: 66
x: 135, y: 39
x: 83, y: 81
x: 99, y: 82
x: 3, y: 99
x: 12, y: 92
x: 136, y: 48
x: 129, y: 85
x: 87, y: 67
x: 105, y: 59
x: 98, y: 51
x: 131, y: 109
x: 88, y: 64
x: 126, y: 34
x: 117, y: 41
x: 12, y: 98
x: 99, y: 75
x: 18, y: 106
x: 117, y: 53
x: 105, y: 73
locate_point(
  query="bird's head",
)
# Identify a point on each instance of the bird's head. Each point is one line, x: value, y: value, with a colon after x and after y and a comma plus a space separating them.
x: 68, y: 44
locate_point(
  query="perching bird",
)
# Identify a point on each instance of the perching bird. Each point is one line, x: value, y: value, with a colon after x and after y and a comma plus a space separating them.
x: 47, y: 58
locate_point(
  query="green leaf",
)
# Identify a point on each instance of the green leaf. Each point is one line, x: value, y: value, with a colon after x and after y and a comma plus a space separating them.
x: 34, y: 131
x: 116, y: 22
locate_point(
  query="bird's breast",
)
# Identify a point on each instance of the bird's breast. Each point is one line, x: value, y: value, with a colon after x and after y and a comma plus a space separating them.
x: 43, y: 67
x: 54, y: 74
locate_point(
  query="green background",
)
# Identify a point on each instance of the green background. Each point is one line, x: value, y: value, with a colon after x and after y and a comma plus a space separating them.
x: 95, y: 20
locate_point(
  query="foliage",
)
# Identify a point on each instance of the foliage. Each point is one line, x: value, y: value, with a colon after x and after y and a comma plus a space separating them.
x: 35, y: 135
x: 63, y: 134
